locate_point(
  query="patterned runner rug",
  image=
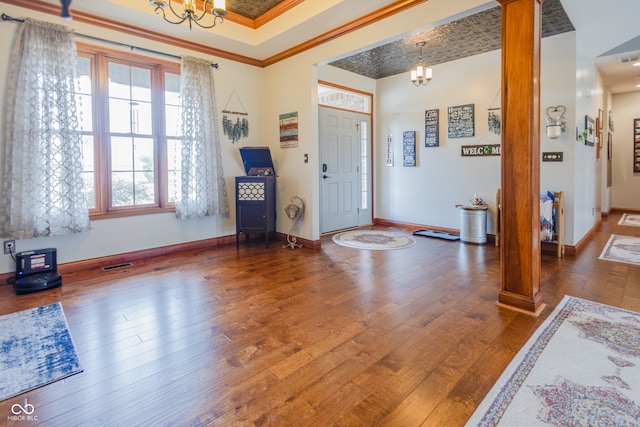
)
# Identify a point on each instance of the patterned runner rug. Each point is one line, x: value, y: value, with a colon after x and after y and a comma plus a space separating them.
x: 36, y: 349
x: 374, y: 239
x: 622, y: 249
x: 630, y: 219
x: 580, y: 368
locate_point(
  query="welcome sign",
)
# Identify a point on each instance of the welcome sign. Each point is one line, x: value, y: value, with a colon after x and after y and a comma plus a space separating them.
x: 480, y: 150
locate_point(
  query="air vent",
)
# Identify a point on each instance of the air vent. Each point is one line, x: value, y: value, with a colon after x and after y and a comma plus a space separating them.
x: 629, y: 57
x: 117, y: 266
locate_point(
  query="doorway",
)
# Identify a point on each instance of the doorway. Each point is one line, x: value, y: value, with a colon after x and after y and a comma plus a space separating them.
x: 345, y: 169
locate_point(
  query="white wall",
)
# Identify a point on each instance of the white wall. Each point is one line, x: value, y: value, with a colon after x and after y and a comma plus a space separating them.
x: 427, y: 194
x: 291, y: 85
x: 589, y: 98
x: 625, y: 184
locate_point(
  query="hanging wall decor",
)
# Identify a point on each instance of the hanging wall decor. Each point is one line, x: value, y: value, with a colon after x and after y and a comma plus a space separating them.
x: 409, y: 148
x: 461, y: 121
x: 495, y: 121
x: 289, y: 130
x: 240, y: 128
x: 432, y: 128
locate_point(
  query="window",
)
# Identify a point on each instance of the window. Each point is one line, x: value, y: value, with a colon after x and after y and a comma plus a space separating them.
x: 130, y: 118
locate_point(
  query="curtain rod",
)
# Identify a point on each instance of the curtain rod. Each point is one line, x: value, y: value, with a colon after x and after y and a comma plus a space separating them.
x: 6, y: 17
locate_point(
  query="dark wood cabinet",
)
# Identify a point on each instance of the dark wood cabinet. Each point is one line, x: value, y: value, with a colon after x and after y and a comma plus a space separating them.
x: 255, y: 206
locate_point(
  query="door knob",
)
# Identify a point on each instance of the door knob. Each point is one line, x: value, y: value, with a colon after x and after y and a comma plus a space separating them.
x: 325, y: 176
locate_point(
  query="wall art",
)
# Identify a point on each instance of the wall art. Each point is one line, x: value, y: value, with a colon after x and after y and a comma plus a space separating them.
x: 494, y: 118
x: 590, y: 129
x: 409, y: 148
x: 461, y: 121
x: 240, y: 128
x: 432, y: 128
x: 289, y: 130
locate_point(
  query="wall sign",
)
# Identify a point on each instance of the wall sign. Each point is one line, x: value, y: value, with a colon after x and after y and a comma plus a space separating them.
x: 461, y: 121
x: 480, y: 150
x: 555, y: 156
x: 432, y: 128
x: 409, y: 148
x: 289, y: 130
x: 390, y: 150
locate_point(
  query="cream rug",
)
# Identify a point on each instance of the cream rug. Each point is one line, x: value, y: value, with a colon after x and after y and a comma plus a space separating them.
x: 377, y: 240
x: 630, y: 219
x: 580, y: 368
x: 622, y: 249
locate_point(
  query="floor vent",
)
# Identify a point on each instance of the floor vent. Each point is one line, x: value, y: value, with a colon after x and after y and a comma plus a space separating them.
x: 117, y: 266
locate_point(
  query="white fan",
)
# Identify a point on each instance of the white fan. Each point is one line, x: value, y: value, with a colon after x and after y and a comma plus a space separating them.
x: 294, y: 211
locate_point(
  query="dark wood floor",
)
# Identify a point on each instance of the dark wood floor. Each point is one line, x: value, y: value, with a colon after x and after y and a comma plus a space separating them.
x: 278, y: 337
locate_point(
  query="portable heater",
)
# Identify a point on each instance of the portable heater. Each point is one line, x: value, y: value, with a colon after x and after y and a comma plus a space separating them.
x: 36, y: 271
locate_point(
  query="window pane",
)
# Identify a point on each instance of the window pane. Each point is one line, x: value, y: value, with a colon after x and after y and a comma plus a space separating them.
x: 121, y: 154
x: 119, y: 80
x: 86, y: 112
x: 141, y: 84
x: 133, y: 177
x: 141, y: 118
x: 172, y: 120
x: 174, y: 162
x: 121, y: 189
x: 83, y: 84
x: 172, y: 104
x: 88, y: 171
x: 119, y: 115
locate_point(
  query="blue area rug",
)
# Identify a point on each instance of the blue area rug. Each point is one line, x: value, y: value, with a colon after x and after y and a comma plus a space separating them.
x: 35, y: 349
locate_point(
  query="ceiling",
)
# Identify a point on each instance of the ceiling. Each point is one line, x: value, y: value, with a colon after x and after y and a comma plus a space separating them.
x: 263, y: 30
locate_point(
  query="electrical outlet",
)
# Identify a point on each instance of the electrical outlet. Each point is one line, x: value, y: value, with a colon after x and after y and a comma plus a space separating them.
x: 9, y: 246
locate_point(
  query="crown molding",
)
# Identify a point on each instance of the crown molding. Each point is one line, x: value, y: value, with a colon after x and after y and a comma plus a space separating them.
x: 356, y: 24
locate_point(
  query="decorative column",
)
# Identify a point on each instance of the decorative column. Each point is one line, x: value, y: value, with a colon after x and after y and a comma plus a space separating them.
x: 520, y: 155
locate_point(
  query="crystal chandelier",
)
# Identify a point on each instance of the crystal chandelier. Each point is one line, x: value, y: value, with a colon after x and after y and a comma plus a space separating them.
x: 421, y: 75
x: 190, y: 11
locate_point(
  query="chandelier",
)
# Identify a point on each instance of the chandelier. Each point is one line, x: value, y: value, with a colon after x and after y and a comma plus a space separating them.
x: 421, y: 75
x: 190, y: 11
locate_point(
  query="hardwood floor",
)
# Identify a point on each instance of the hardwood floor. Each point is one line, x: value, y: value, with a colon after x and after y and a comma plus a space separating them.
x: 271, y: 336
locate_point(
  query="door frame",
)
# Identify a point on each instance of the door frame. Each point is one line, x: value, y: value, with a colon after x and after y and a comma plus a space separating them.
x: 371, y: 159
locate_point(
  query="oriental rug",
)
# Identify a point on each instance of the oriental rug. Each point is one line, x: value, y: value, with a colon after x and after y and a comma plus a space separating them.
x: 35, y: 349
x: 622, y: 249
x: 630, y: 219
x: 580, y: 368
x: 378, y: 240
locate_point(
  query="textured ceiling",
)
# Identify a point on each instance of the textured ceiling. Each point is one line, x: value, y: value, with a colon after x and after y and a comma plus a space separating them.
x: 468, y: 36
x: 251, y: 9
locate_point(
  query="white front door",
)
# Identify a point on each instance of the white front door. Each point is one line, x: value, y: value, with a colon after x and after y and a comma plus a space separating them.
x: 345, y: 176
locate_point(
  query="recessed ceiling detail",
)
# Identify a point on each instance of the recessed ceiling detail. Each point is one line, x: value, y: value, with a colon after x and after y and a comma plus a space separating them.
x: 473, y: 35
x: 251, y: 9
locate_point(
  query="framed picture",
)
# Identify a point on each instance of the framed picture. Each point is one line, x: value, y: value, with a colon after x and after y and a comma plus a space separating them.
x: 409, y: 148
x: 590, y: 127
x: 609, y: 147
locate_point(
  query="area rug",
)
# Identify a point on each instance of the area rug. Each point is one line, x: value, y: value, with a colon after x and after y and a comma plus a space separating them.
x: 622, y: 249
x: 36, y: 349
x: 580, y: 368
x: 630, y: 219
x: 377, y: 240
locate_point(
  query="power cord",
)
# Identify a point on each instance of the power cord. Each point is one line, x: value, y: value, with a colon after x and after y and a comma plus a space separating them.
x: 12, y: 251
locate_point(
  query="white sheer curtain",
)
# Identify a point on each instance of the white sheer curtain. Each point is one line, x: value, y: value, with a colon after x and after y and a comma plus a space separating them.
x: 203, y: 191
x: 42, y: 186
